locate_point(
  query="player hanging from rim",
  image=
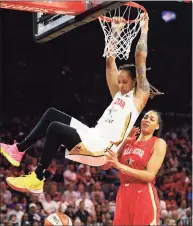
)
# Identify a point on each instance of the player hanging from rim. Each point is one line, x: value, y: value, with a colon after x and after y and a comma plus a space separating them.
x: 88, y: 145
x: 138, y: 162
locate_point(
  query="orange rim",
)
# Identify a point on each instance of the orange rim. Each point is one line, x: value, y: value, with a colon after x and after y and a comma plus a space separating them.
x: 133, y: 4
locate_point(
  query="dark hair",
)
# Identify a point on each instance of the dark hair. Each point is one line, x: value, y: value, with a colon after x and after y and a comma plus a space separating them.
x: 40, y: 204
x: 158, y: 132
x: 130, y: 68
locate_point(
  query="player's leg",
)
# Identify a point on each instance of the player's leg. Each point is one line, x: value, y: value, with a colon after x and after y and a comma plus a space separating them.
x: 57, y: 134
x: 39, y: 131
x: 14, y: 153
x: 147, y: 208
x: 123, y: 206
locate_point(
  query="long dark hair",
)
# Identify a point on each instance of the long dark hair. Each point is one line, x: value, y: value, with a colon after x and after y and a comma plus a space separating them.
x: 158, y: 132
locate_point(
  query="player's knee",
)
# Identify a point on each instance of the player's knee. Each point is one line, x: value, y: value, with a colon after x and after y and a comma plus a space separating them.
x: 53, y: 128
x: 50, y: 110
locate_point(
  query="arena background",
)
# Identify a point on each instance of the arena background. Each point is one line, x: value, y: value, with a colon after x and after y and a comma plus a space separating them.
x: 68, y: 73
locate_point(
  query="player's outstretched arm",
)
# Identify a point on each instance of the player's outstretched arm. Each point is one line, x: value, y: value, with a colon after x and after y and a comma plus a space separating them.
x: 143, y: 88
x: 111, y: 75
x: 111, y: 67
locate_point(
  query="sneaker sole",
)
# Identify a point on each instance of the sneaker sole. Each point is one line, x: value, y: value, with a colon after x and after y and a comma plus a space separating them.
x: 16, y: 188
x: 24, y: 189
x: 8, y: 157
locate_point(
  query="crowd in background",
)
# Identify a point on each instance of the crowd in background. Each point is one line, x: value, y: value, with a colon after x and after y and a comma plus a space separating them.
x: 88, y: 194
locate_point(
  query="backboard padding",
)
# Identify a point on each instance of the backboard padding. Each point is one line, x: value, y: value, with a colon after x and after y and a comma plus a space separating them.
x: 67, y: 23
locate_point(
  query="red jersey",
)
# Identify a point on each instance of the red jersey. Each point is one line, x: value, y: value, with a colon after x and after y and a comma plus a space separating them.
x: 137, y: 202
x: 136, y: 156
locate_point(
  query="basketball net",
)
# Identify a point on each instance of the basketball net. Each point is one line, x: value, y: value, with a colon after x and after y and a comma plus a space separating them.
x: 120, y: 29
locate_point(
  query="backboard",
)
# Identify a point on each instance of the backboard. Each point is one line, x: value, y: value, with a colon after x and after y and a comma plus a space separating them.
x: 49, y: 26
x: 52, y: 18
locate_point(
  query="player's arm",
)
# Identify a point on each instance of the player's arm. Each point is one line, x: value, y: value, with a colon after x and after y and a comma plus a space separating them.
x: 111, y: 67
x: 143, y: 88
x: 111, y: 75
x: 153, y: 165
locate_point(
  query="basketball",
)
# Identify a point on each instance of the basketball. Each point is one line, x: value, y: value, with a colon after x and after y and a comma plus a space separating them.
x: 58, y: 219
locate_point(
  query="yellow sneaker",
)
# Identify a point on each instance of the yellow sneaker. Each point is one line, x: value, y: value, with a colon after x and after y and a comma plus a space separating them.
x: 27, y: 183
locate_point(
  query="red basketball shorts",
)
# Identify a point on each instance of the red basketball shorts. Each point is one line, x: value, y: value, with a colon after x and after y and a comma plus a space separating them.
x: 137, y: 204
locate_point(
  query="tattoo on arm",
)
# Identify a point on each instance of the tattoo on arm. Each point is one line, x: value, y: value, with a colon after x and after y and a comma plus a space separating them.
x: 142, y: 82
x: 142, y: 44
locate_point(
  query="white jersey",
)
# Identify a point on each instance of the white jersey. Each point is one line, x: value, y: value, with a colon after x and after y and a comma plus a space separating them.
x: 118, y: 118
x: 112, y: 128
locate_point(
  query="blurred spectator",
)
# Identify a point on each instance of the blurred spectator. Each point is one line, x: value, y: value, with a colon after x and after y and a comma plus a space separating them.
x: 97, y: 195
x: 93, y: 220
x: 183, y: 209
x: 49, y: 205
x: 162, y: 202
x: 5, y: 193
x: 89, y: 206
x: 58, y: 177
x: 53, y: 191
x: 32, y: 214
x: 172, y: 222
x: 24, y: 202
x: 106, y: 219
x: 69, y: 174
x: 173, y: 163
x: 89, y: 181
x: 15, y: 200
x: 82, y: 214
x: 12, y: 219
x: 112, y: 206
x: 98, y: 213
x: 70, y: 211
x: 52, y: 169
x: 81, y: 174
x: 112, y: 192
x: 81, y: 191
x: 63, y: 204
x: 33, y: 198
x: 25, y: 220
x: 3, y: 205
x: 17, y: 211
x: 186, y: 220
x: 3, y: 209
x: 163, y: 216
x: 41, y: 212
x: 71, y: 194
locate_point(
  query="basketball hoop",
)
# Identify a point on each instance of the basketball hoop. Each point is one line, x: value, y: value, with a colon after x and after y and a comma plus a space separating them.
x: 120, y: 27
